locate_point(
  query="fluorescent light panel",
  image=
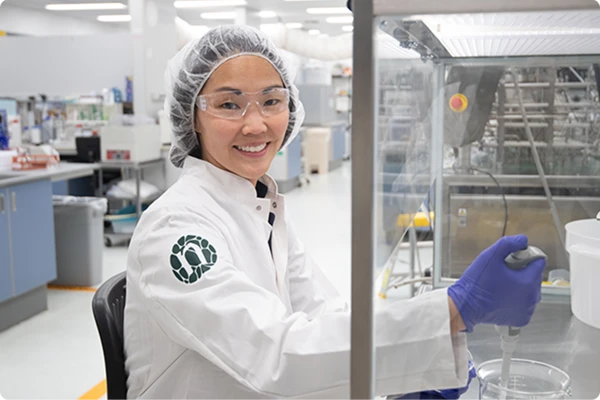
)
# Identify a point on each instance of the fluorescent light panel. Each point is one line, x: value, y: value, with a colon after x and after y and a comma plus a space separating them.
x: 340, y: 20
x: 314, y: 32
x: 209, y: 3
x: 267, y: 14
x: 293, y: 25
x: 114, y: 18
x: 347, y: 28
x: 328, y: 10
x: 219, y: 15
x: 85, y: 6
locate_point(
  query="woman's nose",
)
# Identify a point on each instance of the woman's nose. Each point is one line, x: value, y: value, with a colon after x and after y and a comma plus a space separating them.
x: 254, y: 122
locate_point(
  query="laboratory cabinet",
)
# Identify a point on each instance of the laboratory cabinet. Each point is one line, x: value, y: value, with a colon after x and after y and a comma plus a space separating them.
x: 27, y: 252
x: 5, y: 260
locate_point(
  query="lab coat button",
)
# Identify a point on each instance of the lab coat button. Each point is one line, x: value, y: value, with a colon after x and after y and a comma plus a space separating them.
x: 258, y: 208
x: 274, y: 205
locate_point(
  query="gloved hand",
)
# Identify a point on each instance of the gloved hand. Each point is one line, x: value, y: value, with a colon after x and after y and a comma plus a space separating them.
x: 440, y: 394
x: 491, y: 293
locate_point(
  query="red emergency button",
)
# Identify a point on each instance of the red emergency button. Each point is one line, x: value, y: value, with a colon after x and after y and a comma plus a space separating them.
x: 458, y: 102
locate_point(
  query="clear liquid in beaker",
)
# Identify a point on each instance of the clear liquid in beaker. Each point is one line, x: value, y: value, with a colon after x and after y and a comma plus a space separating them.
x: 527, y: 380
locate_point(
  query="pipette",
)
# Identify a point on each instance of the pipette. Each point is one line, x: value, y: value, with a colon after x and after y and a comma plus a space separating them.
x: 509, y: 334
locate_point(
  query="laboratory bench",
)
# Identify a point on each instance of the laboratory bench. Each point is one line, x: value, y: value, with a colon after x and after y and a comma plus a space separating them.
x: 554, y: 337
x: 27, y: 246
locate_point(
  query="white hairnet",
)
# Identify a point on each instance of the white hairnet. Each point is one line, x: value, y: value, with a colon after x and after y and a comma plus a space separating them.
x: 189, y: 70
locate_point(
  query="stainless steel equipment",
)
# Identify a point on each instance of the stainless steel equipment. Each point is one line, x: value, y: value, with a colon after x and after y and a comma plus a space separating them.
x: 540, y: 144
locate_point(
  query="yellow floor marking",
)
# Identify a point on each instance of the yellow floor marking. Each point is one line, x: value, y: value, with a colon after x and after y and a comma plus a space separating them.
x: 96, y: 392
x: 76, y: 288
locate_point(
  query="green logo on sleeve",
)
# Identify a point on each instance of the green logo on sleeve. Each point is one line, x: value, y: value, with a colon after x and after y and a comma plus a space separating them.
x: 191, y: 257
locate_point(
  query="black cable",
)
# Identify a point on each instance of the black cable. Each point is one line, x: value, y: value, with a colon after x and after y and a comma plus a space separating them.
x: 501, y: 192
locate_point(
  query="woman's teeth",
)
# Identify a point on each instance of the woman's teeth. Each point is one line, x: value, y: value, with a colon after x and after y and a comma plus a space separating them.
x: 252, y: 149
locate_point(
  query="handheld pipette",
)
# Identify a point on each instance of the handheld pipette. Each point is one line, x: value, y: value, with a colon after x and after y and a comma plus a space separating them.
x: 510, y: 335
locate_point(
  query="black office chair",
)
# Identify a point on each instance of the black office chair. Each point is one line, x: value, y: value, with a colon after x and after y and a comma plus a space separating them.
x: 108, y: 306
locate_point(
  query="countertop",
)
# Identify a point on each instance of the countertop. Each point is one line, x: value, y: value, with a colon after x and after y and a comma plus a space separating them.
x: 555, y: 337
x: 63, y: 171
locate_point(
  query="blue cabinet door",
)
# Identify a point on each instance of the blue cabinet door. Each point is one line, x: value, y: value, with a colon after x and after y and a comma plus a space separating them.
x: 32, y: 231
x: 6, y: 280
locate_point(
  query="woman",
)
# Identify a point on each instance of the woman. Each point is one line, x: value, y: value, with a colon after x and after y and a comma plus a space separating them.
x: 223, y: 302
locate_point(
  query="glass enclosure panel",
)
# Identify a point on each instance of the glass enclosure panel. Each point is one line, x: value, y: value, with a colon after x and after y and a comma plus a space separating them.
x: 488, y: 125
x: 404, y: 155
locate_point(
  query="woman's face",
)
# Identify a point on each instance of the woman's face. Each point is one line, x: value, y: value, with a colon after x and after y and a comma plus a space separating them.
x: 223, y: 140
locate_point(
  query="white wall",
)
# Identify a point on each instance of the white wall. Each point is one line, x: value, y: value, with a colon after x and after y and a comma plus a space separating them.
x: 63, y: 66
x: 31, y: 22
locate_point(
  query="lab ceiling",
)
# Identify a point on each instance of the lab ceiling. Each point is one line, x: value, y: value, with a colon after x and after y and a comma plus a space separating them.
x: 467, y: 35
x: 288, y: 11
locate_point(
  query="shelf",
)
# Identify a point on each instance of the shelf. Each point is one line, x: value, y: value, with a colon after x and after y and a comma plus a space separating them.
x: 127, y: 198
x: 510, y: 143
x: 86, y: 122
x: 547, y: 84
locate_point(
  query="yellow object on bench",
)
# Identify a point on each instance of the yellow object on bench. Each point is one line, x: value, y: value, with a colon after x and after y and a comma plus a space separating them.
x: 419, y: 219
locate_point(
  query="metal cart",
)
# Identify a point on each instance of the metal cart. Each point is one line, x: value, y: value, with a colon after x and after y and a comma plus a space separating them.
x: 136, y: 168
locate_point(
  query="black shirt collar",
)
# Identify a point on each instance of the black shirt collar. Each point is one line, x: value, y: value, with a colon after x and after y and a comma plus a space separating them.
x: 261, y: 190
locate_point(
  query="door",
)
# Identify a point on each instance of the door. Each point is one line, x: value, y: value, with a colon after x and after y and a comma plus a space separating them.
x: 6, y: 279
x: 32, y: 229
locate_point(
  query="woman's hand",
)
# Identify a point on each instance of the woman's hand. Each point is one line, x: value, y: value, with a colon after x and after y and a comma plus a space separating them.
x: 491, y: 293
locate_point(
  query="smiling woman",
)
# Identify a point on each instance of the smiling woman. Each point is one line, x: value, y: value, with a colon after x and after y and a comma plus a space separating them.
x: 242, y: 128
x: 240, y: 64
x: 222, y: 299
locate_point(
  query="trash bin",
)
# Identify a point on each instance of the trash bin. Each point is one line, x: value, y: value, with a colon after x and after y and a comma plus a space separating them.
x: 79, y: 238
x: 318, y: 149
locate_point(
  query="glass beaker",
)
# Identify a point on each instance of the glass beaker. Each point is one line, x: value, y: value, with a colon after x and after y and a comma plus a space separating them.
x: 527, y: 380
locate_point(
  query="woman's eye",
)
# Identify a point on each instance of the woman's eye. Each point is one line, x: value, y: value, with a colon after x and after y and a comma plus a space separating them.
x: 272, y: 102
x: 229, y: 106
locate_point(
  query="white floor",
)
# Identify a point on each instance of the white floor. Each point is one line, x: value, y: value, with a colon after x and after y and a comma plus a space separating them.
x: 57, y: 354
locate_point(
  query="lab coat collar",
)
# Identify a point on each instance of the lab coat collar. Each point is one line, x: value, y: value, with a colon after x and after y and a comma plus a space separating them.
x: 238, y: 187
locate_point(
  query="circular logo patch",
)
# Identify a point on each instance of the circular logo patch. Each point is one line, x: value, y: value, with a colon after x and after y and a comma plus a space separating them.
x: 191, y: 257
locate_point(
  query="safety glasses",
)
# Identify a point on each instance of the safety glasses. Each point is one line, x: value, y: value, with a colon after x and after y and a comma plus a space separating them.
x: 235, y: 104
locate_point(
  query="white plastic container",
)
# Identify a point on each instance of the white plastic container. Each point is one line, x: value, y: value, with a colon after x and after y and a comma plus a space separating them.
x: 583, y: 245
x: 14, y: 130
x: 6, y: 157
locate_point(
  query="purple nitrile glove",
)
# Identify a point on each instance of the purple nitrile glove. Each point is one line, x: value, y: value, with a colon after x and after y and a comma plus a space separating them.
x: 491, y: 293
x: 448, y: 394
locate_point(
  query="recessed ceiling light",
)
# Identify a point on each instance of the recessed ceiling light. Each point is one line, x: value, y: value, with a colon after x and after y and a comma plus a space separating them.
x: 267, y: 14
x: 262, y: 26
x: 340, y: 20
x: 85, y: 6
x: 314, y: 32
x: 328, y: 10
x: 114, y: 18
x: 218, y: 15
x: 209, y: 3
x: 293, y: 25
x: 347, y: 28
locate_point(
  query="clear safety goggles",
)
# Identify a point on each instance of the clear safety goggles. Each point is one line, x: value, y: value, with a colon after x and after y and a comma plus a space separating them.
x: 235, y: 104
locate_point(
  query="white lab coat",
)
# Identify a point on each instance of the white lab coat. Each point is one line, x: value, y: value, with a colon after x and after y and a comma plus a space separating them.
x: 257, y: 325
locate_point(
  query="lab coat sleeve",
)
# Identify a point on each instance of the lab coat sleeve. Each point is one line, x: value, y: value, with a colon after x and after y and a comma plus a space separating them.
x: 247, y: 331
x: 311, y: 292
